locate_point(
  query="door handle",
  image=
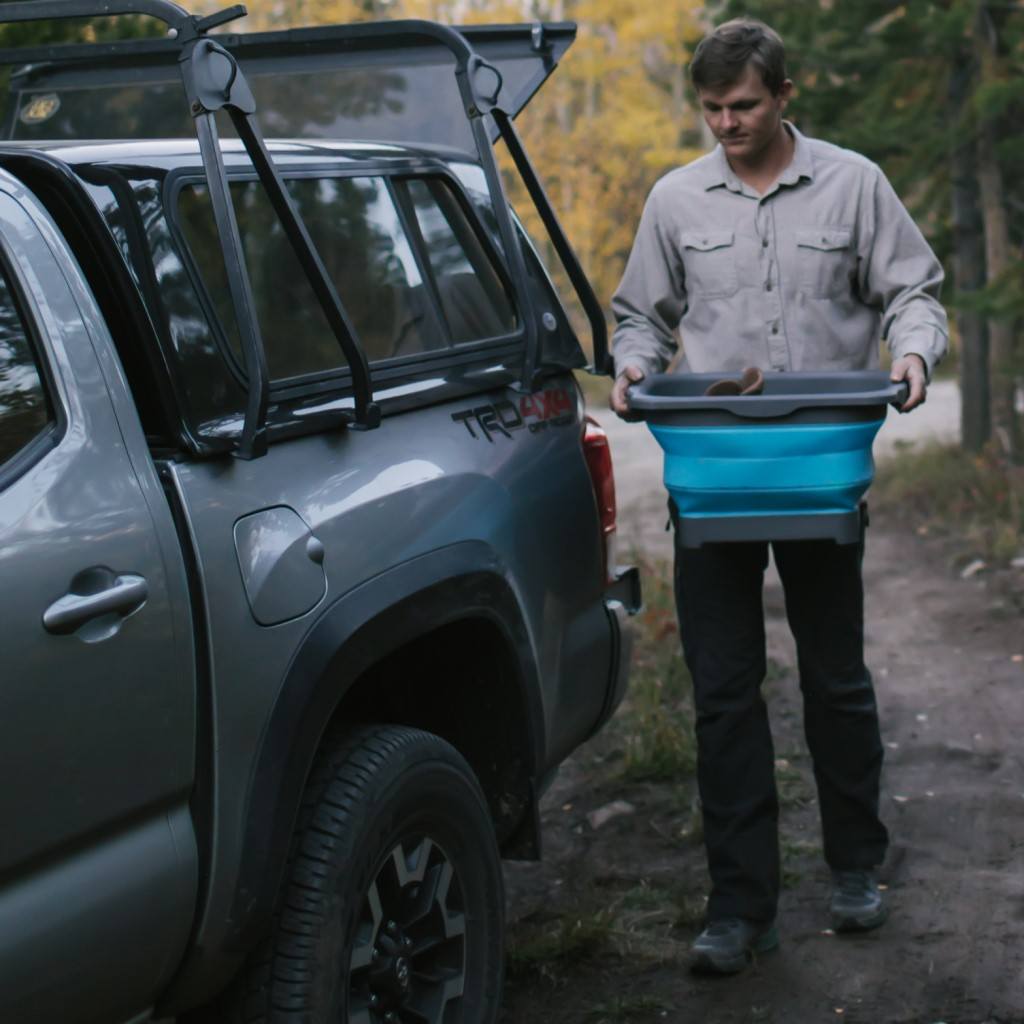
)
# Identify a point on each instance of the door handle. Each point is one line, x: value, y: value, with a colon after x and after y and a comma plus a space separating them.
x: 94, y: 594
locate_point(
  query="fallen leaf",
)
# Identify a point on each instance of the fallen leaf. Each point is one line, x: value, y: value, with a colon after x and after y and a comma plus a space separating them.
x: 616, y: 809
x: 973, y: 569
x: 1017, y: 657
x: 566, y: 807
x: 921, y: 717
x: 901, y: 799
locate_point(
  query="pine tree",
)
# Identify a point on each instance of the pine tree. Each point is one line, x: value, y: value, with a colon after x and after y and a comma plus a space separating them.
x: 933, y: 91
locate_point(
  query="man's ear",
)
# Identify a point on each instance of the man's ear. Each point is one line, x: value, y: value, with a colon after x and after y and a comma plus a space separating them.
x: 785, y: 92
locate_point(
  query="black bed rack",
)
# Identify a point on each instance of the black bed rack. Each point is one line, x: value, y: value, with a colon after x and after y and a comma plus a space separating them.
x: 214, y: 82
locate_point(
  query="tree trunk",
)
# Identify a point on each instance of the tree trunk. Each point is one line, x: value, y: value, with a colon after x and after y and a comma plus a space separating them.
x: 997, y: 254
x: 968, y: 272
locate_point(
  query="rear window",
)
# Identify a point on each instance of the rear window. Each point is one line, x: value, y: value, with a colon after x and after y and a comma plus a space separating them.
x: 411, y: 271
x: 473, y: 299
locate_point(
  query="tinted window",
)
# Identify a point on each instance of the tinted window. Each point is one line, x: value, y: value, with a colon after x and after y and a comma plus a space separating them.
x: 24, y: 410
x: 359, y: 236
x: 473, y: 297
x: 211, y: 397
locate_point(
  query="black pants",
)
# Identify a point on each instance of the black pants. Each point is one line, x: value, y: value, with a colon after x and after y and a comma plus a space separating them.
x: 721, y: 620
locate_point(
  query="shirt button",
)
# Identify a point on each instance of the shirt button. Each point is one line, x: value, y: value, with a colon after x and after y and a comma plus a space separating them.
x: 768, y: 287
x: 775, y: 330
x: 764, y: 243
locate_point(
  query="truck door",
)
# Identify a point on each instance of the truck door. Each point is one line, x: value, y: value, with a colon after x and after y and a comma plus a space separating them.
x: 98, y: 863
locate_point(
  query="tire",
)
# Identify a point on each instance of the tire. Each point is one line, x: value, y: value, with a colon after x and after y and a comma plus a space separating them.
x: 393, y: 911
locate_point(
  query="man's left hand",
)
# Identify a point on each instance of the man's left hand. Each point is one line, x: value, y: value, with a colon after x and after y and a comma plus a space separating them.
x: 911, y: 369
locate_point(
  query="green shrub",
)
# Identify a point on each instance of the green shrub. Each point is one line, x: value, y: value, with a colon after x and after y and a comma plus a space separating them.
x: 656, y: 722
x: 941, y: 488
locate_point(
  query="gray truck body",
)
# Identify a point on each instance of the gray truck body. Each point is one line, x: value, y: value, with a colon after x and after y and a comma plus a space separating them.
x: 179, y: 627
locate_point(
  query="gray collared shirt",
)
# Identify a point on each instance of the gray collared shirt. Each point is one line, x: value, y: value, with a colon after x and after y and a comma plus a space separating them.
x: 807, y: 276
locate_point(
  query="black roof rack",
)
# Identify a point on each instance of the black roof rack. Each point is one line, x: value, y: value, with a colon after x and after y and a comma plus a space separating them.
x: 214, y: 82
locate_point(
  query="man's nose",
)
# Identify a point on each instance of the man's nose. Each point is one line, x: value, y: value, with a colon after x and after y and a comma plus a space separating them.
x: 728, y: 119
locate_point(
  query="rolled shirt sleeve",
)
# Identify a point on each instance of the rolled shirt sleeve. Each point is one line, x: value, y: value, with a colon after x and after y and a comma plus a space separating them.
x: 651, y: 298
x: 899, y: 275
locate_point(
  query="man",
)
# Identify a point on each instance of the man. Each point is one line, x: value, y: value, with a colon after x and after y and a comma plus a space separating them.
x: 783, y: 253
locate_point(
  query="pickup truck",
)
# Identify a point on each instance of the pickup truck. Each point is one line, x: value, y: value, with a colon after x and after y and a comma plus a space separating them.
x: 306, y: 542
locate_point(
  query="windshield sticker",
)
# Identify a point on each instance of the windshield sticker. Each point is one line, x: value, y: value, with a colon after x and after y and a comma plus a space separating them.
x: 40, y: 108
x: 535, y: 413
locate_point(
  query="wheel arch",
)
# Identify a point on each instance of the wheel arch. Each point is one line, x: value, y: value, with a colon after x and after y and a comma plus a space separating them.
x: 346, y: 660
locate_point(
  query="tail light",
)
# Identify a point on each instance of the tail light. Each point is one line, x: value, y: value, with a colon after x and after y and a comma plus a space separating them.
x: 599, y: 461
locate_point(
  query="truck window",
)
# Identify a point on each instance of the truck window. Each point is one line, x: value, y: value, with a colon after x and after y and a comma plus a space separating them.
x: 364, y: 244
x: 473, y: 297
x: 24, y: 408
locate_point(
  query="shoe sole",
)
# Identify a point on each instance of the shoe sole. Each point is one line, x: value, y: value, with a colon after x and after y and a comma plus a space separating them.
x: 851, y: 923
x: 706, y: 963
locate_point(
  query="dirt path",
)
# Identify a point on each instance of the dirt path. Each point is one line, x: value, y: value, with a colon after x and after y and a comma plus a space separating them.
x: 619, y: 904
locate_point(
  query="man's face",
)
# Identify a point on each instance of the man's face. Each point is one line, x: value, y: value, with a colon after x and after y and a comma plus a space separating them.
x: 745, y: 117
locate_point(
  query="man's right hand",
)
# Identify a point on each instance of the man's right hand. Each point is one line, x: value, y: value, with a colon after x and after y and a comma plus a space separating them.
x: 629, y: 376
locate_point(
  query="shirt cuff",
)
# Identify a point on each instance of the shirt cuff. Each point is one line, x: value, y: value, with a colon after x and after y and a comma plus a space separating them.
x: 648, y: 365
x: 930, y: 349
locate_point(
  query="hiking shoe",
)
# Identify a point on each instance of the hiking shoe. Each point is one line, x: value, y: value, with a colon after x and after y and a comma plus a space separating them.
x: 728, y: 945
x: 856, y: 904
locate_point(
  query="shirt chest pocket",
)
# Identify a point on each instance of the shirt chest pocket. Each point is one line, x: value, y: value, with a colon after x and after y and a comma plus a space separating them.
x: 709, y: 262
x: 825, y: 262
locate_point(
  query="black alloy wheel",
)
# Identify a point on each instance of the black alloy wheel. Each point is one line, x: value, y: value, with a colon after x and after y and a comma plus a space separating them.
x: 393, y: 910
x: 408, y: 962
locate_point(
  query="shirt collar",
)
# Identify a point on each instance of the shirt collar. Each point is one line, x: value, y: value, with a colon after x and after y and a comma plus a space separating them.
x: 801, y: 166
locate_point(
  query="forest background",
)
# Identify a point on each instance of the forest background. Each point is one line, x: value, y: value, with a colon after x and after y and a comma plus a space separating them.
x: 933, y: 90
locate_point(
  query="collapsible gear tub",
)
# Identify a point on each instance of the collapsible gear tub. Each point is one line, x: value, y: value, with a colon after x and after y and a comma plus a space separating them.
x: 791, y: 463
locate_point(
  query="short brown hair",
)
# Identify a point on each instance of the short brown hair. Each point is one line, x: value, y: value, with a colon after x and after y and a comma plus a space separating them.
x: 722, y: 56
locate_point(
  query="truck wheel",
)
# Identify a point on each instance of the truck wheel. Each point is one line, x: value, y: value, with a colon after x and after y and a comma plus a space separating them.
x: 393, y: 909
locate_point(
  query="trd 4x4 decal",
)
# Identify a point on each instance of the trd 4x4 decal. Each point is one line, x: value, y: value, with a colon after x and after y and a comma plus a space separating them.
x: 550, y: 408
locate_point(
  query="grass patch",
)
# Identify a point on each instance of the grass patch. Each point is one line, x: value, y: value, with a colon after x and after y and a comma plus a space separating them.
x: 794, y: 853
x: 621, y: 1009
x: 636, y: 926
x: 644, y: 897
x: 793, y: 785
x: 943, y: 489
x: 547, y: 949
x: 691, y: 910
x: 655, y: 726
